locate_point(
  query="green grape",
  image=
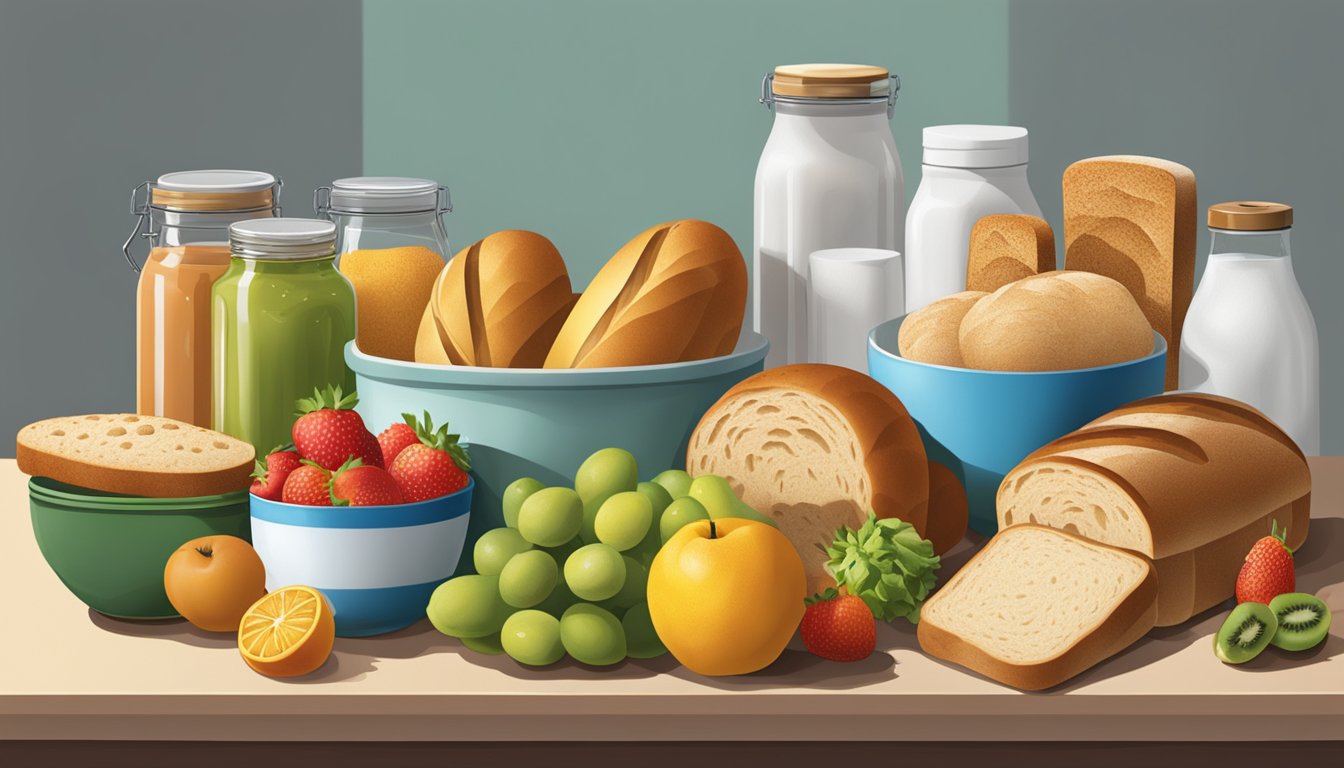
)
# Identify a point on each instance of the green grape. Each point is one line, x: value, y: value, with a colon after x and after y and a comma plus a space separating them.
x: 514, y: 496
x: 679, y: 513
x: 559, y: 601
x: 641, y: 639
x: 528, y: 578
x: 562, y: 552
x: 633, y: 590
x: 623, y: 520
x: 550, y: 517
x: 675, y: 481
x: 592, y: 635
x: 595, y: 572
x: 489, y: 645
x: 532, y: 638
x: 647, y: 549
x: 468, y: 606
x: 495, y: 548
x: 607, y: 472
x: 658, y: 497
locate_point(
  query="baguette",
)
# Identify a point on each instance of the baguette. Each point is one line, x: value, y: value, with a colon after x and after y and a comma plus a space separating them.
x: 1006, y: 247
x: 136, y: 455
x: 1037, y: 606
x: 675, y: 292
x: 1134, y: 219
x: 1188, y: 480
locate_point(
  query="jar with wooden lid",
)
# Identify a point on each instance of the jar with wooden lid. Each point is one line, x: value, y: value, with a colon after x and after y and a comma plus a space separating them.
x: 185, y: 216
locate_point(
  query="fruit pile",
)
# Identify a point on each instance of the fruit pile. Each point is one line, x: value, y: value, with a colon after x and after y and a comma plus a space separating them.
x: 336, y: 461
x: 568, y: 572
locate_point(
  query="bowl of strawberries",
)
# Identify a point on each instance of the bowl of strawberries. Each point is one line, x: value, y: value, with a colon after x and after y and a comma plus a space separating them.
x: 374, y: 522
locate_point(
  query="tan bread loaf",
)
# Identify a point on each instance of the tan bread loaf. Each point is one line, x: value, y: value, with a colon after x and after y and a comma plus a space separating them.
x: 815, y: 447
x: 386, y: 282
x: 675, y: 292
x: 1038, y: 606
x: 948, y: 509
x: 1057, y: 321
x: 1189, y: 480
x: 136, y: 455
x: 930, y: 335
x: 1006, y: 247
x: 1134, y: 218
x: 502, y: 301
x: 428, y: 343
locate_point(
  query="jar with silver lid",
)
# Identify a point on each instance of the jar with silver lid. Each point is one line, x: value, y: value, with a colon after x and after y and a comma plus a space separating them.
x: 382, y: 213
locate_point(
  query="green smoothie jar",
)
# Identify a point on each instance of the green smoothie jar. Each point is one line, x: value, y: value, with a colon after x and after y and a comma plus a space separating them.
x: 281, y: 317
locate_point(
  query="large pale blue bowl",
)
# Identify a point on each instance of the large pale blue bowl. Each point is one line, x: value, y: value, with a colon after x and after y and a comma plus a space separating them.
x: 543, y: 423
x: 981, y: 424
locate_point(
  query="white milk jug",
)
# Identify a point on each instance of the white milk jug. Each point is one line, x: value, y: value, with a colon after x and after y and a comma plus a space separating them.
x: 829, y: 177
x: 1249, y: 334
x: 970, y: 171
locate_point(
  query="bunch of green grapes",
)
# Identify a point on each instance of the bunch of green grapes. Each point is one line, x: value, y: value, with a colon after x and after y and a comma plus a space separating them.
x: 567, y: 573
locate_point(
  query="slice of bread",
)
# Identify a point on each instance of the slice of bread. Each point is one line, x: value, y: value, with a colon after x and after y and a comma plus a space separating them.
x: 1037, y: 606
x: 136, y: 455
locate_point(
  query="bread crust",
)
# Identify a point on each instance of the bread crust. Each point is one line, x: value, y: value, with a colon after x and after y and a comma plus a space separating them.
x: 949, y: 509
x: 1006, y: 247
x: 1131, y: 620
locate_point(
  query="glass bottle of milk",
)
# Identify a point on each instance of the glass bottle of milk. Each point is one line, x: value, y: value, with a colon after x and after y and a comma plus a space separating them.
x: 1249, y: 334
x: 829, y: 177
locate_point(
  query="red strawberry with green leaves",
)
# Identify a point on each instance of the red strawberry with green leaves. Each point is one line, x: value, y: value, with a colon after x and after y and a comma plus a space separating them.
x: 356, y: 485
x: 271, y: 473
x: 396, y: 437
x: 328, y: 432
x: 309, y: 484
x: 1268, y: 571
x: 432, y: 467
x: 839, y: 627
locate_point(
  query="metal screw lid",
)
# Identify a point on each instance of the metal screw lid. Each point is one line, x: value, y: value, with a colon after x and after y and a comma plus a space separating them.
x: 282, y: 239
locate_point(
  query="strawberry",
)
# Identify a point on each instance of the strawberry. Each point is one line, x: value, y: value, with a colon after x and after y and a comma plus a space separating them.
x: 356, y: 485
x: 270, y: 474
x: 328, y: 433
x: 398, y: 436
x: 432, y: 467
x: 839, y: 627
x: 1268, y: 571
x: 308, y: 484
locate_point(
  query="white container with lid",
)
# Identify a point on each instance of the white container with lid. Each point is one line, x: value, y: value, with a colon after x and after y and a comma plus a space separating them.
x: 1249, y: 334
x: 384, y: 212
x: 970, y: 171
x: 829, y: 177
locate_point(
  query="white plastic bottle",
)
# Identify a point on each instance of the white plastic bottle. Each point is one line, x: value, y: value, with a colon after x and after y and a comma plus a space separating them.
x: 829, y: 177
x: 1249, y: 334
x: 970, y: 171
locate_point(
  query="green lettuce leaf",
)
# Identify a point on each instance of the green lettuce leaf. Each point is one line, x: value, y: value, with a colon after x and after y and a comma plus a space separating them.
x: 886, y: 564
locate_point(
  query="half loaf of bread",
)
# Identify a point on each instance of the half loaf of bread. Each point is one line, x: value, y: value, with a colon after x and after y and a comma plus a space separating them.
x: 136, y: 455
x: 1037, y: 606
x: 815, y: 447
x: 1006, y: 247
x: 1189, y: 480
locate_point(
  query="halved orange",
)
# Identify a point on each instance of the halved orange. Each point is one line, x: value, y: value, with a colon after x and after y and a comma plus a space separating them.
x: 288, y: 632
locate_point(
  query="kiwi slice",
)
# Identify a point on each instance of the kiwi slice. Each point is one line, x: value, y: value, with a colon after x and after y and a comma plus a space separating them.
x: 1246, y: 633
x: 1303, y: 621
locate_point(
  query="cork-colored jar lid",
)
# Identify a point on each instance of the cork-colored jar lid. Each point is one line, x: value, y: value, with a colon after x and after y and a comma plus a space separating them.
x: 1250, y: 216
x: 831, y: 81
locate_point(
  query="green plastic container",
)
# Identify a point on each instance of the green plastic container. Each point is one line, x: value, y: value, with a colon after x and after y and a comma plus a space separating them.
x: 110, y: 550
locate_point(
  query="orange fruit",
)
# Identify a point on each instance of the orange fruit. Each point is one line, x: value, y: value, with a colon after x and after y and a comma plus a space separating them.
x: 212, y: 580
x: 288, y: 632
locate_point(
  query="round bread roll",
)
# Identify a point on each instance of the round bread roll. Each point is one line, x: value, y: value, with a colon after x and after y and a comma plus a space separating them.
x: 931, y: 334
x: 1056, y: 321
x: 948, y: 509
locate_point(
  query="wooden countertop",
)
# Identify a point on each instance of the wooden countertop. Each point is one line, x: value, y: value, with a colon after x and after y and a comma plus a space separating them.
x: 69, y: 673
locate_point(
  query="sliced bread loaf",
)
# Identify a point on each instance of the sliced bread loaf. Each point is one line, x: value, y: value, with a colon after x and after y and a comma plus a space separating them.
x: 135, y: 454
x: 1037, y: 606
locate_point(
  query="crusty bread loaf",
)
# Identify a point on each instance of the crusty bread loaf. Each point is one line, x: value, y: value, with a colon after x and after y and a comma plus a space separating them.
x: 815, y: 447
x: 428, y: 342
x: 1133, y: 219
x: 502, y: 301
x: 1006, y: 247
x: 930, y: 335
x: 1188, y: 480
x: 386, y: 282
x: 1054, y: 322
x: 1038, y: 606
x: 136, y: 455
x: 949, y: 509
x: 675, y: 292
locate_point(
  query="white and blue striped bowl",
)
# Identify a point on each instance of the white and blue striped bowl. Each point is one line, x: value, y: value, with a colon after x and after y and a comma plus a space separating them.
x: 376, y: 565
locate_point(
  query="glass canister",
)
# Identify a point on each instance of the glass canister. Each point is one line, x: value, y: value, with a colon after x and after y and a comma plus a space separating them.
x: 829, y: 177
x: 185, y: 216
x: 282, y: 316
x: 1249, y: 333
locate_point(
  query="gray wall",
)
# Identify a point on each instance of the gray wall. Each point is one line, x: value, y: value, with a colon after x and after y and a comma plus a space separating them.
x: 98, y: 96
x: 1246, y: 93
